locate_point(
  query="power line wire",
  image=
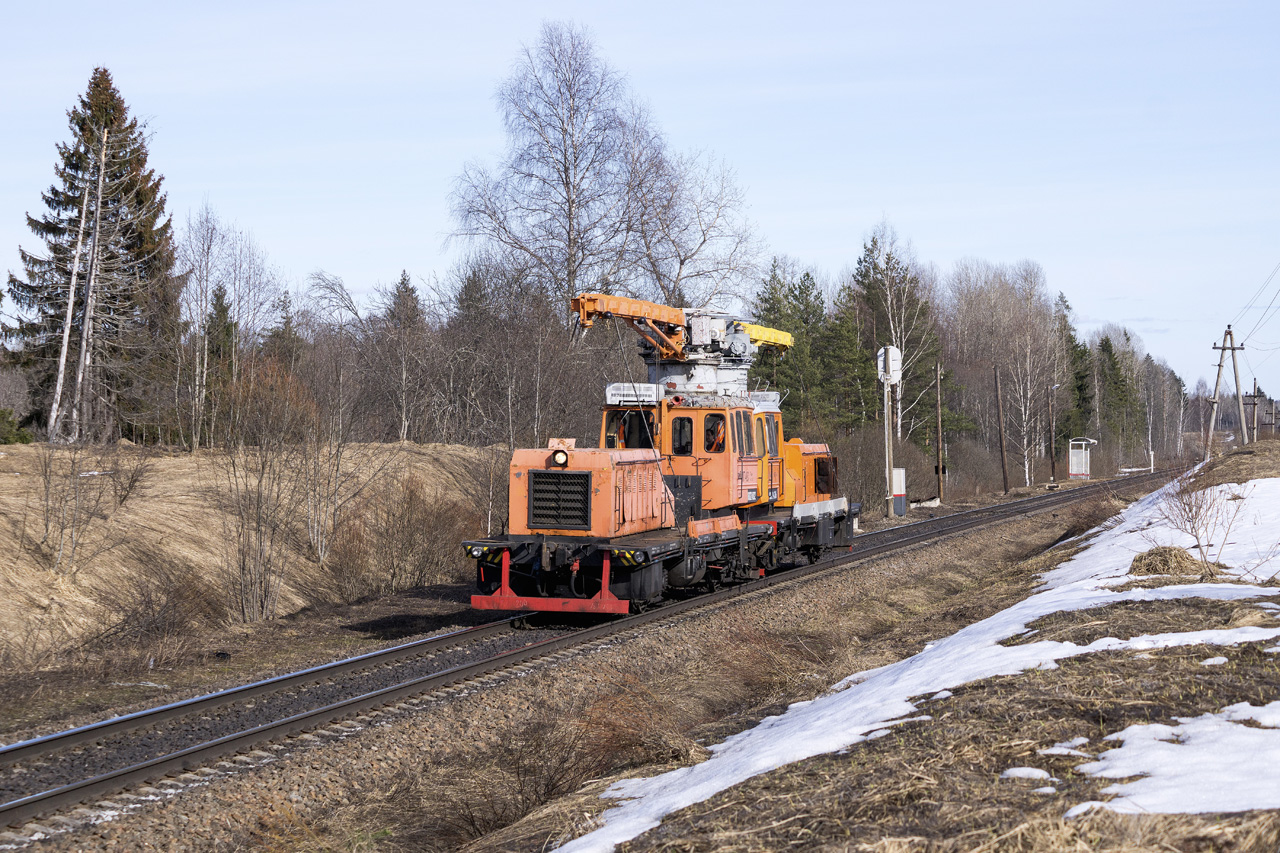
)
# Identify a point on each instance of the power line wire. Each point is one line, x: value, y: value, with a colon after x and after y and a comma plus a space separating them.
x: 1265, y: 311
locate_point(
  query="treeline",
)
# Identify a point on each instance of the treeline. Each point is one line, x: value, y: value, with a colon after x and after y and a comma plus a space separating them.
x: 127, y: 326
x: 977, y: 321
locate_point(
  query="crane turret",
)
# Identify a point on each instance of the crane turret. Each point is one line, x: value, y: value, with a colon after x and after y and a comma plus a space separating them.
x: 690, y: 353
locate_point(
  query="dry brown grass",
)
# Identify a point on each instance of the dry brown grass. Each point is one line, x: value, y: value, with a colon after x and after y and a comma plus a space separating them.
x: 1176, y: 565
x: 936, y: 786
x: 647, y: 717
x: 1095, y: 511
x: 1129, y: 619
x: 1256, y: 461
x: 161, y: 505
x: 401, y: 535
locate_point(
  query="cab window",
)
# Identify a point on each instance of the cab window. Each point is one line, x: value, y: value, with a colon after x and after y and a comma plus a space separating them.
x: 713, y: 433
x: 629, y: 428
x: 824, y: 475
x: 760, y: 435
x: 773, y: 435
x: 682, y: 436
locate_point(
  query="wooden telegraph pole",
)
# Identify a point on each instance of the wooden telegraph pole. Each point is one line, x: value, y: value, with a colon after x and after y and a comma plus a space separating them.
x: 1004, y: 466
x: 1053, y: 467
x: 937, y: 382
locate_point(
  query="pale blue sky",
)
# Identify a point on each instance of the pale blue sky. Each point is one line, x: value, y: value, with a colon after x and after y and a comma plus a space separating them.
x: 1128, y: 148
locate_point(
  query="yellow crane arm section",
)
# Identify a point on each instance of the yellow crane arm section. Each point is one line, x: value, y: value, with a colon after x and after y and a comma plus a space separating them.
x: 763, y: 336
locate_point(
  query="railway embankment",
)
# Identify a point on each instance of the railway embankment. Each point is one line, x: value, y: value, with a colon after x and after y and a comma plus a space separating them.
x: 505, y: 765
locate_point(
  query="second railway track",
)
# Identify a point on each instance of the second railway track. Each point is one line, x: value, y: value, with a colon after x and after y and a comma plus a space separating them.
x: 44, y: 775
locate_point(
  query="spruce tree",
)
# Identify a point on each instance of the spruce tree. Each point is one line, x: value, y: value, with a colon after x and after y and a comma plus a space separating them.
x: 849, y: 375
x: 98, y: 307
x: 793, y: 304
x: 1077, y: 413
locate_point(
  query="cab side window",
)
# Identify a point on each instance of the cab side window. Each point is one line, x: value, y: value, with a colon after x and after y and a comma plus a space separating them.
x: 748, y: 447
x: 682, y: 436
x: 760, y: 444
x: 713, y: 429
x: 824, y: 476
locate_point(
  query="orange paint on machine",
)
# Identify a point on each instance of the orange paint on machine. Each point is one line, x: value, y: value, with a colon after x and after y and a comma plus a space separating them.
x: 693, y: 482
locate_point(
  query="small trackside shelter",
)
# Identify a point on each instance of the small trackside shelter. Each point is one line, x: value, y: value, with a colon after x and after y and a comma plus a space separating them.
x: 1078, y: 458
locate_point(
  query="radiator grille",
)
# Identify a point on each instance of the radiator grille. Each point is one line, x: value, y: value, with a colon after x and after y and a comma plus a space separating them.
x: 560, y: 500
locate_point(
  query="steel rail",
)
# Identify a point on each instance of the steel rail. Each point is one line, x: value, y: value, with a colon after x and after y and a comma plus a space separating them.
x: 869, y: 545
x: 35, y: 747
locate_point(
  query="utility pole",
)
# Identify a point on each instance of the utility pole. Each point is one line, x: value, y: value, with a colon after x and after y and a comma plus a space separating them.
x: 1053, y: 467
x: 1004, y: 466
x: 937, y: 382
x: 1235, y: 367
x: 1255, y: 408
x: 1217, y: 386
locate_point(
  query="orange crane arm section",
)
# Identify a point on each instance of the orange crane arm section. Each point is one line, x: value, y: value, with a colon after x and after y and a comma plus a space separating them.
x: 661, y: 325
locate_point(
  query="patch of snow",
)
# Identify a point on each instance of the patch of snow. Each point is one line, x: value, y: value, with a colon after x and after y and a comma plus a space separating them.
x: 1048, y: 789
x: 1068, y: 747
x: 941, y: 694
x: 1209, y: 763
x: 871, y: 701
x: 1217, y: 661
x: 1026, y: 773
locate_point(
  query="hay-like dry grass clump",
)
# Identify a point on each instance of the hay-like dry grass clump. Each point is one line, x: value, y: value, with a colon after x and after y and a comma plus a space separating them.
x: 1177, y: 564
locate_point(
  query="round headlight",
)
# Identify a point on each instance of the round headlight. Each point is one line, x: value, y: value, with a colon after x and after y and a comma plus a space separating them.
x: 476, y: 551
x: 560, y: 457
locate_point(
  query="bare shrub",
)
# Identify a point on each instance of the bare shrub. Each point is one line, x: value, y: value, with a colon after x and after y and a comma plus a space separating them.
x: 262, y: 484
x: 1206, y: 514
x: 861, y: 469
x: 400, y: 537
x: 493, y: 788
x: 38, y: 643
x: 160, y: 599
x: 153, y: 617
x: 972, y: 468
x: 350, y: 566
x: 76, y: 499
x: 130, y: 469
x: 634, y: 723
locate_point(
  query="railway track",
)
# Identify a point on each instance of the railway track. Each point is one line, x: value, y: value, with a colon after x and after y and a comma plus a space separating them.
x: 134, y: 749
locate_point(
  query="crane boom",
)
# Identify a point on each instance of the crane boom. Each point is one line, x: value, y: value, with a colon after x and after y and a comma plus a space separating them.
x: 664, y: 327
x: 660, y: 325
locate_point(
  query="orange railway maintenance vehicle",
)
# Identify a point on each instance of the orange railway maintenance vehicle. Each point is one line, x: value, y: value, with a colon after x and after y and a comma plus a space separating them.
x: 693, y: 483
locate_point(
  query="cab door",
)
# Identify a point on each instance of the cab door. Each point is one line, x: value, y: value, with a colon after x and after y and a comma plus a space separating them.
x: 770, y: 465
x: 747, y: 462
